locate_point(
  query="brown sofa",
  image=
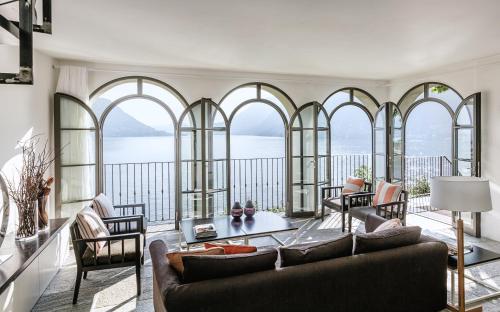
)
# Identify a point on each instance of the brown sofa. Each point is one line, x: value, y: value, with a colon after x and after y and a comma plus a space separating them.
x: 409, y: 278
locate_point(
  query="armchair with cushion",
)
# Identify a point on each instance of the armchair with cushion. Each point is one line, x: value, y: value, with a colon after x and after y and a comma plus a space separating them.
x: 334, y: 198
x: 361, y: 205
x: 104, y: 207
x: 121, y: 249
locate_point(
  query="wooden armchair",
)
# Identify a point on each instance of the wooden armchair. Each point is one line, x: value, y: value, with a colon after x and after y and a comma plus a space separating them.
x: 361, y: 205
x: 121, y: 249
x: 333, y: 198
x: 129, y: 211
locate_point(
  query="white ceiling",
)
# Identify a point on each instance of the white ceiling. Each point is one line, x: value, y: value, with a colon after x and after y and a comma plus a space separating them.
x: 380, y: 39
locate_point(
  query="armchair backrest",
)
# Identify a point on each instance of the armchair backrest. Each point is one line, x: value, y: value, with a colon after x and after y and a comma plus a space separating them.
x: 78, y: 246
x: 398, y: 210
x: 368, y: 187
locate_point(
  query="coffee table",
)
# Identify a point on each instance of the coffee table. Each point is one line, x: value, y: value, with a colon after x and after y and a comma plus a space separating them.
x: 262, y: 224
x: 476, y: 257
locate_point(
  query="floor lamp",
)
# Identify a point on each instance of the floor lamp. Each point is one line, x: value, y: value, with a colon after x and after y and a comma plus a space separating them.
x: 461, y: 194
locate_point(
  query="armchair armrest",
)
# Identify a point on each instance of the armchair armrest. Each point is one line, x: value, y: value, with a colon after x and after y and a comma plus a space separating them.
x: 127, y: 220
x: 335, y: 190
x: 359, y: 199
x: 125, y: 208
x: 392, y: 209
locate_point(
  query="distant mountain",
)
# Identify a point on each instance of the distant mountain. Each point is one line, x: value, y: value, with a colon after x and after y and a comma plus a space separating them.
x: 120, y: 124
x: 259, y: 122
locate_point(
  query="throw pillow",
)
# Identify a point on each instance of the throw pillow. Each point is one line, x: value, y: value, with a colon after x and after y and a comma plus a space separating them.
x: 103, y: 206
x: 353, y: 185
x: 386, y: 239
x: 90, y: 225
x: 175, y: 258
x: 199, y: 268
x: 312, y: 252
x: 389, y: 224
x: 232, y: 249
x: 386, y: 193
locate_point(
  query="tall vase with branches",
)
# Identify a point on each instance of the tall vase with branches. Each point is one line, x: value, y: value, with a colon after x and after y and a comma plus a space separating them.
x: 31, y: 186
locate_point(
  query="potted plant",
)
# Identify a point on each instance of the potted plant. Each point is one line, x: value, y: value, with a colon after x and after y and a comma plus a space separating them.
x: 30, y: 191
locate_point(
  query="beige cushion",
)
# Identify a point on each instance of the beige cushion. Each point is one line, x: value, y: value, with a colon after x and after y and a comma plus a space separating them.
x: 103, y: 206
x: 334, y: 201
x: 115, y: 249
x: 389, y: 224
x: 175, y: 258
x: 90, y: 225
x: 386, y: 193
x: 353, y: 185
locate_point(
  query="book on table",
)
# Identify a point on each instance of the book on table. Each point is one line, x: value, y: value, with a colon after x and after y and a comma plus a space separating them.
x: 204, y: 230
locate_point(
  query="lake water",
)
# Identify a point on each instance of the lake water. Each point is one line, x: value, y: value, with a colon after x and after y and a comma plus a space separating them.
x: 160, y: 149
x: 263, y: 181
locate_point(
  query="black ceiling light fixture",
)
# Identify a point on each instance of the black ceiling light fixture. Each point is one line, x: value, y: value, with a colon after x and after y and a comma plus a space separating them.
x: 27, y: 22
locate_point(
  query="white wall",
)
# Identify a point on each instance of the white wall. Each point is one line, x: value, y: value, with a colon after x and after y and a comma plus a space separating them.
x: 25, y: 110
x: 467, y: 78
x: 194, y: 84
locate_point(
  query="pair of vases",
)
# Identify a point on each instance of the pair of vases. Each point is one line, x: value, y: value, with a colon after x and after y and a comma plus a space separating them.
x: 237, y: 211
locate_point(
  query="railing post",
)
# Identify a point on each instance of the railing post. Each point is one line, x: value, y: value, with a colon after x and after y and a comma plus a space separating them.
x: 441, y: 166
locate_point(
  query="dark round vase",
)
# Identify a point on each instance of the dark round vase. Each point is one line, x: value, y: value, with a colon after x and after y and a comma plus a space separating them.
x: 237, y: 210
x: 249, y: 209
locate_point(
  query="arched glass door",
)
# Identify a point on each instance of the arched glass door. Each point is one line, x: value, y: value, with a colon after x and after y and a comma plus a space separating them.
x: 310, y: 154
x: 76, y: 137
x: 204, y: 169
x: 388, y: 151
x: 467, y: 150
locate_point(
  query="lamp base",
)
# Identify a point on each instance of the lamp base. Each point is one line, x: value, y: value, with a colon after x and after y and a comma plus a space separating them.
x: 455, y: 309
x: 461, y: 273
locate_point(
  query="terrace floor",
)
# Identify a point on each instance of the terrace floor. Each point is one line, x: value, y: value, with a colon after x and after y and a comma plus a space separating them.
x: 114, y: 290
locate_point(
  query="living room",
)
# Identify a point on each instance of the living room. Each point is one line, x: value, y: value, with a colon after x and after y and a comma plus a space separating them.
x: 195, y: 156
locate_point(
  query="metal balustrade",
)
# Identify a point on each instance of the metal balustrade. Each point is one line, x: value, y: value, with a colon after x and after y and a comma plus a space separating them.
x: 262, y: 180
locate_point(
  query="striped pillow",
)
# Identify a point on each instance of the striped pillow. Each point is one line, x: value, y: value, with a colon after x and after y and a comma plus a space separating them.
x: 91, y: 226
x: 103, y: 206
x: 353, y: 185
x: 386, y: 193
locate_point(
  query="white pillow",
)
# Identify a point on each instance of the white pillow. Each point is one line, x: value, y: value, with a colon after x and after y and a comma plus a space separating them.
x: 389, y: 224
x: 103, y: 206
x: 91, y: 226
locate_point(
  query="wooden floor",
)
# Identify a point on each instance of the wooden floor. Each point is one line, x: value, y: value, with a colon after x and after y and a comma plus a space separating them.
x: 114, y: 290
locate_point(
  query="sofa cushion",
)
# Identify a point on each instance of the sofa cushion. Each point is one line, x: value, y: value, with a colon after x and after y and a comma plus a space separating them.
x: 175, y: 258
x: 312, y: 252
x: 389, y: 224
x: 386, y: 239
x: 232, y: 249
x: 115, y: 250
x: 198, y: 268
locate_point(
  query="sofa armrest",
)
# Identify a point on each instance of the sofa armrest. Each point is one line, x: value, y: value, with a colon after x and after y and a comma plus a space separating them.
x: 372, y: 222
x: 165, y: 278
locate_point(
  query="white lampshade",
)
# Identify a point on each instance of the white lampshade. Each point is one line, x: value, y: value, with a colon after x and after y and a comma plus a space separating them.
x: 464, y: 194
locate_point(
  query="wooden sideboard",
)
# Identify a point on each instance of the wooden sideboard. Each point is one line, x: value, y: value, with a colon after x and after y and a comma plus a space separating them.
x: 31, y: 266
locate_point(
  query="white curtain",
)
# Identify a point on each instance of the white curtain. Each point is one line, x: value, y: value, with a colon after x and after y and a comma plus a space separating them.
x: 77, y: 182
x: 73, y: 80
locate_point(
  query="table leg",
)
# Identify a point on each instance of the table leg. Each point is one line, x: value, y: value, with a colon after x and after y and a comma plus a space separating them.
x: 452, y: 278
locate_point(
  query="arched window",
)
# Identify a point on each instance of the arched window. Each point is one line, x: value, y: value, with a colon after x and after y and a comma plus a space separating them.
x: 428, y: 111
x: 258, y: 116
x: 351, y: 112
x: 203, y: 145
x: 138, y: 122
x: 310, y: 158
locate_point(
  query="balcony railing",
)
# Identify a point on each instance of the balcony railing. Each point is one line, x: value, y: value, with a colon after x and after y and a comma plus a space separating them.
x: 263, y: 180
